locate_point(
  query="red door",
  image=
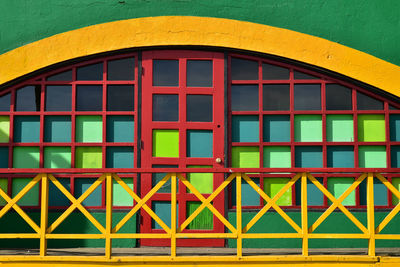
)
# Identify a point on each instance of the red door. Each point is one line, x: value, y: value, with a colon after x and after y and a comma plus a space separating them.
x: 182, y: 127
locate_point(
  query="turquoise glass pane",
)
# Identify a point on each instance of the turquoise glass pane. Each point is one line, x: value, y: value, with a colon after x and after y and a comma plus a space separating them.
x: 249, y: 196
x: 163, y: 210
x: 57, y: 129
x: 372, y: 156
x: 26, y: 129
x: 314, y: 196
x: 199, y: 144
x: 158, y: 176
x: 120, y: 129
x: 340, y: 156
x: 56, y: 197
x: 3, y: 157
x: 119, y: 157
x: 276, y: 128
x: 245, y: 129
x: 380, y: 193
x: 81, y: 185
x: 395, y: 156
x: 308, y: 156
x: 395, y: 127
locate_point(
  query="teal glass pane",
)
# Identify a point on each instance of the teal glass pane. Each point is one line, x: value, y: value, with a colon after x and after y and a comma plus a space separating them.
x: 3, y: 157
x: 56, y: 197
x: 395, y: 156
x: 276, y: 128
x: 245, y: 128
x: 119, y: 157
x: 199, y: 144
x: 57, y: 129
x: 340, y: 156
x: 81, y: 185
x: 120, y: 129
x: 395, y: 127
x: 163, y: 210
x: 249, y: 196
x: 314, y: 196
x: 157, y: 177
x: 308, y: 156
x: 26, y: 129
x: 380, y: 193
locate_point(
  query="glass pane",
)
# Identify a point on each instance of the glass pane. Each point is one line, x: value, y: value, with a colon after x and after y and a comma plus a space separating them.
x: 276, y: 97
x: 119, y: 157
x: 165, y: 72
x: 57, y: 129
x: 121, y: 69
x: 199, y: 108
x: 302, y: 76
x: 338, y: 97
x: 157, y: 177
x: 56, y: 197
x: 199, y: 73
x: 245, y: 157
x: 244, y: 97
x: 340, y: 156
x: 83, y: 184
x: 372, y: 156
x: 26, y: 129
x: 120, y: 97
x: 252, y: 197
x: 26, y: 157
x: 394, y: 127
x: 277, y: 157
x: 3, y: 160
x: 58, y: 97
x: 28, y: 98
x: 339, y: 128
x: 243, y: 69
x: 4, y: 129
x: 88, y: 157
x: 307, y: 97
x: 92, y: 72
x: 57, y: 157
x: 89, y: 129
x: 120, y: 129
x: 276, y: 128
x: 31, y: 198
x: 165, y: 143
x: 308, y: 156
x: 365, y: 102
x: 165, y: 108
x: 89, y: 97
x: 5, y: 102
x: 272, y: 72
x: 199, y: 144
x: 245, y: 128
x: 371, y: 128
x: 62, y: 76
x: 273, y: 185
x: 308, y: 128
x: 338, y: 185
x: 120, y: 196
x: 204, y: 220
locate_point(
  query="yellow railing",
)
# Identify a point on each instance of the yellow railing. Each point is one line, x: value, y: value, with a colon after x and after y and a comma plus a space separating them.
x: 44, y: 232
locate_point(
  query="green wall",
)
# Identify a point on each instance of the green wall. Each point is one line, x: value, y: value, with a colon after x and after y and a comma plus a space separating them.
x: 370, y: 26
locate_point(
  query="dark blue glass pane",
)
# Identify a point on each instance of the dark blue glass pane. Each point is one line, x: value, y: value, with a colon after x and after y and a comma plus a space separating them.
x: 165, y: 72
x: 303, y: 76
x: 365, y: 102
x: 272, y: 72
x: 338, y: 97
x: 58, y: 97
x: 243, y: 69
x: 92, y: 72
x: 120, y: 97
x: 165, y: 108
x: 307, y: 97
x: 199, y: 108
x: 276, y: 97
x: 199, y: 73
x: 121, y: 69
x: 28, y: 98
x: 62, y: 76
x: 5, y: 102
x: 89, y: 97
x: 244, y: 97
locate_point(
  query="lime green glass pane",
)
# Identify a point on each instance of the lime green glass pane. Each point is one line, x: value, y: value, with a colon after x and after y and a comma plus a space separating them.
x: 4, y: 187
x: 26, y: 157
x: 203, y: 182
x: 339, y: 128
x: 89, y: 129
x: 166, y: 143
x: 372, y: 156
x: 57, y: 157
x: 204, y: 220
x: 88, y: 157
x: 396, y: 184
x: 277, y: 157
x: 4, y: 129
x: 338, y: 185
x: 272, y: 186
x: 308, y: 128
x: 245, y: 157
x: 31, y: 198
x: 371, y: 128
x: 120, y: 196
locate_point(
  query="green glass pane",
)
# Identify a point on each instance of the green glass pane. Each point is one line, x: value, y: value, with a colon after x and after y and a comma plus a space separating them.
x: 89, y: 129
x: 371, y: 128
x: 26, y: 157
x: 308, y: 128
x: 338, y: 185
x: 204, y: 220
x: 203, y: 182
x: 120, y: 196
x: 277, y: 157
x: 166, y: 143
x: 57, y: 157
x: 31, y: 198
x: 245, y: 157
x: 396, y: 184
x: 4, y: 187
x: 4, y: 129
x: 272, y: 186
x: 339, y: 128
x: 88, y: 157
x: 372, y: 156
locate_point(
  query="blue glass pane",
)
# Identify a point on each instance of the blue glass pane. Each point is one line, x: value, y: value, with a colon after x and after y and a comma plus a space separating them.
x: 395, y: 127
x: 276, y: 128
x: 308, y: 156
x: 165, y: 108
x: 28, y: 98
x: 121, y: 69
x: 57, y: 129
x: 243, y: 69
x: 245, y: 129
x: 307, y: 97
x: 340, y: 156
x: 3, y: 157
x: 249, y: 196
x: 56, y: 197
x: 120, y: 97
x: 89, y: 97
x: 93, y: 72
x: 365, y: 102
x: 244, y: 97
x: 81, y: 185
x: 120, y: 129
x: 276, y: 96
x: 199, y: 144
x: 165, y: 72
x: 58, y: 97
x: 199, y: 108
x: 5, y: 102
x: 26, y: 129
x: 119, y: 157
x: 199, y: 73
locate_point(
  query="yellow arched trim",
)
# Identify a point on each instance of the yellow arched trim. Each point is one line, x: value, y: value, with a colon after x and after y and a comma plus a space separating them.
x: 185, y: 30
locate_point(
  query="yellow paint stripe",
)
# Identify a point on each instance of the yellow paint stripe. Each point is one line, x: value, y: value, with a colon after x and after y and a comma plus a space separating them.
x: 215, y: 32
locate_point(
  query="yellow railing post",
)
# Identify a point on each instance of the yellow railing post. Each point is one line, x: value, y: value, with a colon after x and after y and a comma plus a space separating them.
x: 370, y: 214
x: 304, y: 214
x: 239, y: 214
x: 173, y: 215
x: 109, y: 204
x: 44, y: 214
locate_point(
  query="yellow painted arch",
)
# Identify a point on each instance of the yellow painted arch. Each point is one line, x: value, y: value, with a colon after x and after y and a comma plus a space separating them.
x: 203, y: 31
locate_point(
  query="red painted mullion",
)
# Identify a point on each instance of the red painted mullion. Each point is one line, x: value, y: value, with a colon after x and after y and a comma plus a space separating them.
x: 355, y: 122
x: 387, y: 136
x: 73, y: 124
x: 291, y: 94
x: 41, y: 135
x: 323, y: 117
